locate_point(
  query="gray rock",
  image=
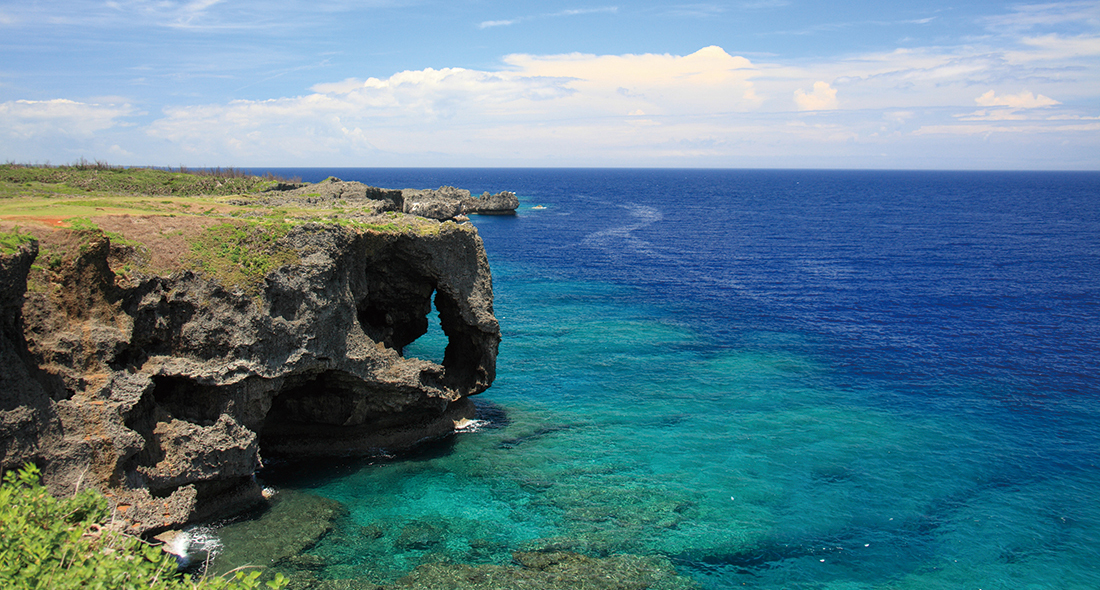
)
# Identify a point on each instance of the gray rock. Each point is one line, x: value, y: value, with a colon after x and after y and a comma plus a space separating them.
x: 164, y: 391
x: 329, y: 193
x: 448, y: 202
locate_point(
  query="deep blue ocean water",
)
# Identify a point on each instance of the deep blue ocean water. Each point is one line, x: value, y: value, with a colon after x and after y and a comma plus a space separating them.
x: 777, y: 379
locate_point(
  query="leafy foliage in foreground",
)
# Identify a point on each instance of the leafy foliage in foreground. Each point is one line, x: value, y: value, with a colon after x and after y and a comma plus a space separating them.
x: 51, y: 544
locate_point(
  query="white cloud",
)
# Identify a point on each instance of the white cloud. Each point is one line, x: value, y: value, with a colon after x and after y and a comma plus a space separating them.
x: 995, y: 115
x: 1029, y: 16
x: 1023, y: 100
x: 572, y: 12
x: 496, y: 23
x: 760, y: 4
x: 629, y: 109
x: 576, y: 108
x: 822, y: 98
x: 532, y: 106
x: 1054, y: 47
x: 577, y: 11
x: 190, y: 15
x: 24, y: 119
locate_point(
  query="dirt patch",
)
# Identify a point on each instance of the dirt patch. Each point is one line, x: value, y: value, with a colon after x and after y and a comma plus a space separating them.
x: 8, y: 222
x: 165, y: 240
x: 161, y: 241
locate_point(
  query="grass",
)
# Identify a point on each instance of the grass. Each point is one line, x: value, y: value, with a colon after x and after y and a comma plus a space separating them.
x: 224, y: 231
x: 101, y: 177
x: 240, y: 254
x: 10, y: 242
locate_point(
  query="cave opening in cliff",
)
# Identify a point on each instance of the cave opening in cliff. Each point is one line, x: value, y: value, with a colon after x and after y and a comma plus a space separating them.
x: 446, y: 340
x: 397, y: 311
x: 431, y: 344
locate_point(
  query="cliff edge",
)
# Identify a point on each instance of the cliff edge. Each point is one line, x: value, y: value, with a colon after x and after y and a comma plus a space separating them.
x: 161, y: 370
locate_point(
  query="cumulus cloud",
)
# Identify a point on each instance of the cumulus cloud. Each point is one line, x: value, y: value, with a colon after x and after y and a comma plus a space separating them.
x: 538, y: 103
x: 1023, y: 100
x: 23, y: 119
x: 566, y: 109
x: 822, y: 98
x: 578, y: 107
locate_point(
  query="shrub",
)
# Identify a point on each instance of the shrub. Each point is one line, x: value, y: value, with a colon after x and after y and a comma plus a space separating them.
x: 52, y: 544
x: 10, y: 242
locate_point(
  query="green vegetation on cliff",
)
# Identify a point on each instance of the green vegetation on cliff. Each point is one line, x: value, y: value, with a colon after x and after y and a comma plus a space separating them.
x: 13, y: 240
x: 239, y: 255
x: 222, y: 223
x: 52, y: 544
x: 100, y: 177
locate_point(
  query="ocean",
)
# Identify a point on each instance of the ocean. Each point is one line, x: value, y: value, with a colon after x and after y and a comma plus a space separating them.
x: 771, y: 379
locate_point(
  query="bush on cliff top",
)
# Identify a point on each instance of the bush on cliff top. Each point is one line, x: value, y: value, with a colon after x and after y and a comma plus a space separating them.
x: 10, y: 242
x: 46, y: 543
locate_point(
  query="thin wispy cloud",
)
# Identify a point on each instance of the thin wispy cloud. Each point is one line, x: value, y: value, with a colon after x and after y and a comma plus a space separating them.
x: 693, y: 10
x: 572, y: 12
x: 765, y: 4
x: 498, y: 23
x: 1025, y: 17
x: 184, y: 15
x: 840, y: 26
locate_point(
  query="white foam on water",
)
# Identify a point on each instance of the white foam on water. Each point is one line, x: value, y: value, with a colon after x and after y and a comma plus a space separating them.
x: 194, y: 545
x: 471, y: 425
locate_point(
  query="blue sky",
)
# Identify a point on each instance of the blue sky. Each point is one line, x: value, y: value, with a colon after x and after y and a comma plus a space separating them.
x: 754, y: 83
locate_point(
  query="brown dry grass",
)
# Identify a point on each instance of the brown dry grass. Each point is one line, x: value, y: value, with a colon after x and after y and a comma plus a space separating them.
x: 163, y: 241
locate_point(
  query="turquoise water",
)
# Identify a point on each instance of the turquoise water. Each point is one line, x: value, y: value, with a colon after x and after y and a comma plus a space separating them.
x: 796, y: 390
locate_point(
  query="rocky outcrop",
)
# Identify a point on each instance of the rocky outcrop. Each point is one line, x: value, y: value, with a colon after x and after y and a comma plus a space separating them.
x: 329, y: 193
x: 448, y: 202
x: 27, y: 413
x: 165, y: 390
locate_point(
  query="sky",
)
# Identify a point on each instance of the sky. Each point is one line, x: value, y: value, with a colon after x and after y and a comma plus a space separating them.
x: 937, y: 84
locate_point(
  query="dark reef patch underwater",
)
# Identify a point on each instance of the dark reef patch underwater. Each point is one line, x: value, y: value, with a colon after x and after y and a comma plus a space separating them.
x: 779, y: 379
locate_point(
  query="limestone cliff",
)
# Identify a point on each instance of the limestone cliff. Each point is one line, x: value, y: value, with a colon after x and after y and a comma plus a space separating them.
x: 164, y: 389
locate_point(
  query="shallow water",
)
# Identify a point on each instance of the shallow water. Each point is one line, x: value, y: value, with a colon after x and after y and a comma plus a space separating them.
x: 772, y: 378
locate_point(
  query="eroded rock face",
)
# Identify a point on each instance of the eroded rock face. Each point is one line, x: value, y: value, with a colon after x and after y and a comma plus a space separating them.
x: 27, y: 413
x: 164, y: 391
